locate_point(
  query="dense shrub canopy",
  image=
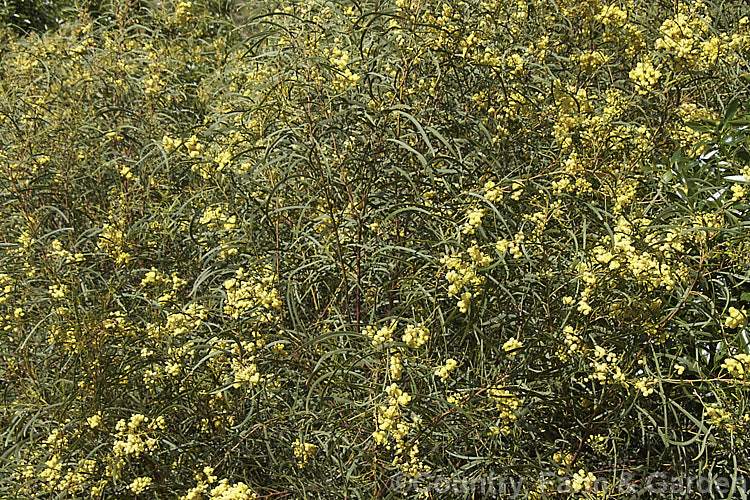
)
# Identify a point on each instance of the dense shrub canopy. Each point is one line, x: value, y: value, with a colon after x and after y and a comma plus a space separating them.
x: 313, y: 249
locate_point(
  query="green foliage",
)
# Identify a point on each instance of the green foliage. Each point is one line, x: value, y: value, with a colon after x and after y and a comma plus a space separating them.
x: 32, y: 15
x: 315, y: 249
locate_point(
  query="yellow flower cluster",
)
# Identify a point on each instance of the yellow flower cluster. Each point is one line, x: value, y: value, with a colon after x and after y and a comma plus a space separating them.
x: 591, y: 60
x: 94, y: 421
x: 387, y: 417
x: 239, y: 360
x: 247, y: 292
x: 611, y: 15
x: 738, y: 365
x: 58, y: 291
x: 236, y: 491
x: 179, y: 324
x: 195, y: 148
x: 737, y: 318
x: 397, y: 396
x: 581, y: 481
x: 507, y: 404
x: 645, y: 75
x: 624, y: 195
x: 511, y: 346
x: 173, y: 283
x: 6, y: 288
x: 26, y: 241
x: 395, y: 367
x: 73, y: 481
x: 381, y: 336
x: 245, y: 372
x: 223, y: 159
x: 64, y: 255
x: 645, y: 385
x: 170, y: 145
x: 407, y: 458
x: 303, y: 452
x: 605, y: 367
x: 681, y: 35
x: 140, y: 484
x: 340, y: 60
x: 52, y: 449
x: 492, y: 191
x: 719, y: 417
x: 462, y: 273
x: 739, y: 192
x: 390, y: 423
x: 713, y: 49
x: 621, y: 259
x: 515, y: 63
x: 514, y: 246
x: 112, y: 241
x: 152, y: 86
x: 132, y: 438
x: 474, y: 220
x: 572, y: 339
x: 182, y: 12
x: 564, y: 460
x: 385, y: 420
x: 416, y: 336
x: 218, y: 219
x: 205, y: 478
x: 572, y: 107
x: 444, y: 372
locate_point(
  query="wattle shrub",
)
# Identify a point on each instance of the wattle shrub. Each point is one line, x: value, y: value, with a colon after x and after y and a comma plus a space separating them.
x: 373, y: 250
